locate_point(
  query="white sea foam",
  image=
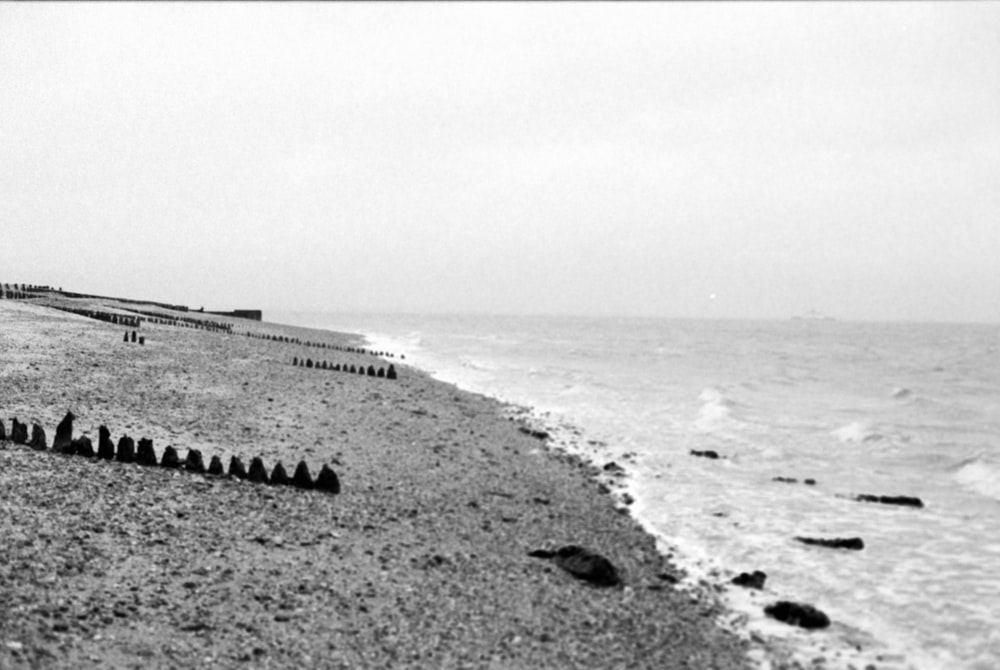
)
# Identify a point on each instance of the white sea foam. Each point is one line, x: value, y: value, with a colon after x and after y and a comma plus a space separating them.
x: 858, y: 431
x: 980, y: 474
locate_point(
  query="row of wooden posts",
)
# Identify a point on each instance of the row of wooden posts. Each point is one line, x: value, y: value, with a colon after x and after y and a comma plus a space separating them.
x: 370, y: 371
x: 144, y: 454
x: 320, y: 345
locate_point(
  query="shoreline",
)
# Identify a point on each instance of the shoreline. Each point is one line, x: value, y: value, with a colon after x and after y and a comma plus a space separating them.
x: 773, y: 644
x: 442, y: 500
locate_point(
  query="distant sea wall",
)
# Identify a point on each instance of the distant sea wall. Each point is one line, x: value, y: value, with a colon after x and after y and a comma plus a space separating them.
x: 253, y: 314
x: 24, y: 291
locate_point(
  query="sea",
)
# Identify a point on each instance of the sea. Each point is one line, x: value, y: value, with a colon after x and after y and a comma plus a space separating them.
x: 885, y: 409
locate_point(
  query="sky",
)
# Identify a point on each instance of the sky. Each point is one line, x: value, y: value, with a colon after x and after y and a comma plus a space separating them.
x: 707, y: 160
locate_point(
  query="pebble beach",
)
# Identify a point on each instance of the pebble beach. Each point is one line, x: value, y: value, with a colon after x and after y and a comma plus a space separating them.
x: 422, y: 560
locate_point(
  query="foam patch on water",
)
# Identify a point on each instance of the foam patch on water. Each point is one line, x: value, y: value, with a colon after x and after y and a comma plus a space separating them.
x: 859, y: 431
x: 980, y: 474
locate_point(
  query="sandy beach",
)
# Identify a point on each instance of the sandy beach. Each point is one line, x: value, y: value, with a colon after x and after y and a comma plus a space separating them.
x: 422, y: 560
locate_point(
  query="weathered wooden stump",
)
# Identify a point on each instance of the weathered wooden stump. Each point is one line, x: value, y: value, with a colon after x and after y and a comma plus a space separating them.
x: 38, y: 442
x: 278, y: 476
x: 327, y: 480
x: 146, y: 454
x: 302, y: 477
x: 215, y: 467
x: 17, y: 429
x: 236, y: 468
x: 105, y: 447
x: 126, y: 449
x: 82, y: 446
x: 194, y: 462
x: 258, y: 473
x: 64, y: 434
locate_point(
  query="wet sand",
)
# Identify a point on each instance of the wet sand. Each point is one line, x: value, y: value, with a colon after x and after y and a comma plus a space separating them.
x: 421, y: 561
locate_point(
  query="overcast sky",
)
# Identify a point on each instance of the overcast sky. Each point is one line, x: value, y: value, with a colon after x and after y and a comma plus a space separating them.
x: 674, y: 159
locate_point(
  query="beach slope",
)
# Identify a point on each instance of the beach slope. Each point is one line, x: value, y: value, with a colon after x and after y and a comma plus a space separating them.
x: 422, y: 560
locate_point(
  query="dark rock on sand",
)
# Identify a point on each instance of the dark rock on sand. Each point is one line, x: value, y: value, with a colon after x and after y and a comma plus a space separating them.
x: 302, y: 477
x: 38, y: 441
x: 82, y: 446
x: 194, y: 461
x: 146, y: 454
x: 278, y: 476
x: 236, y: 468
x: 854, y: 543
x: 258, y: 473
x: 753, y: 580
x: 707, y: 453
x: 327, y: 480
x: 797, y: 614
x: 582, y: 564
x: 105, y: 447
x: 64, y: 434
x: 18, y: 432
x: 537, y: 434
x: 126, y: 449
x: 786, y: 480
x: 907, y: 501
x: 215, y: 466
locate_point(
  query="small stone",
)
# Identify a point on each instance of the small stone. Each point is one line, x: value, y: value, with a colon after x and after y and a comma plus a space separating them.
x: 750, y: 581
x: 797, y: 614
x: 582, y: 564
x: 906, y: 501
x: 327, y: 480
x: 258, y: 473
x: 854, y: 543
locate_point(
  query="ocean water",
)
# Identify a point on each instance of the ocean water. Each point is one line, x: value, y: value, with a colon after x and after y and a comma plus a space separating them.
x: 884, y: 409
